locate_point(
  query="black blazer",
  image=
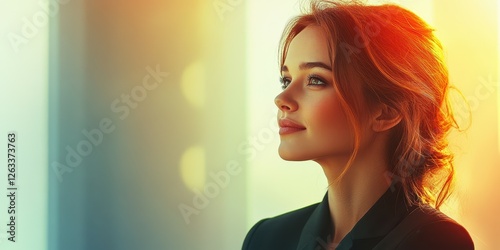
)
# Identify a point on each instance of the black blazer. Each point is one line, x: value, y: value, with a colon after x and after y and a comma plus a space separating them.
x: 310, y: 228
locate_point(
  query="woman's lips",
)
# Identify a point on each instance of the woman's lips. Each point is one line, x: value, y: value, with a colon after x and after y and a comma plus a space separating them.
x: 288, y: 126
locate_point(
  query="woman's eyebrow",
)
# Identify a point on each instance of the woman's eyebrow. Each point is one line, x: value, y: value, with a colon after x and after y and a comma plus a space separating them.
x: 309, y: 65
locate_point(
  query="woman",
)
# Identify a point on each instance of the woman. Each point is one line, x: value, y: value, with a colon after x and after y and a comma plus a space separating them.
x: 365, y: 96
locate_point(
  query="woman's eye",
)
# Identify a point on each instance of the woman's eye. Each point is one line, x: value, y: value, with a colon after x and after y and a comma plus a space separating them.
x: 284, y: 82
x: 313, y: 80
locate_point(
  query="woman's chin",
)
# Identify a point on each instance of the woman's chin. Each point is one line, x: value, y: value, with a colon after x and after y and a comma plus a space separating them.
x: 289, y: 155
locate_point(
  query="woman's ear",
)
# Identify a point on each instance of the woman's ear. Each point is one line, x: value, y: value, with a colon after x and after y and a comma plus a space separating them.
x: 385, y: 118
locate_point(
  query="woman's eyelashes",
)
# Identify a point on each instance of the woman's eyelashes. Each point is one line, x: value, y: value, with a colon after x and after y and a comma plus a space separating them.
x: 284, y: 82
x: 312, y: 80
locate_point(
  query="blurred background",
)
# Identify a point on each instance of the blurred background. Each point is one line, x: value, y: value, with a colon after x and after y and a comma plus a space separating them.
x: 151, y: 124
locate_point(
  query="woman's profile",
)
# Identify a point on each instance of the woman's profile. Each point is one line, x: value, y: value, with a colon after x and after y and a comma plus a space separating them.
x: 365, y: 96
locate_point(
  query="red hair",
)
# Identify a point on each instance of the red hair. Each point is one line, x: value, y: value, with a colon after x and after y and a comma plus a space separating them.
x: 388, y: 55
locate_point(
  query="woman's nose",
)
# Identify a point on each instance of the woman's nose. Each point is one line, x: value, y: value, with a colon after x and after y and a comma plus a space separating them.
x: 285, y: 102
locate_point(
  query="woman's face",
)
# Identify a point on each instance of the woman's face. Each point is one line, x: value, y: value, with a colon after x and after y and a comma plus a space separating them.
x: 313, y: 124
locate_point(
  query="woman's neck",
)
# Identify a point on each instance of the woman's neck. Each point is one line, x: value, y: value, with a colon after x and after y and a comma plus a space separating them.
x: 351, y: 196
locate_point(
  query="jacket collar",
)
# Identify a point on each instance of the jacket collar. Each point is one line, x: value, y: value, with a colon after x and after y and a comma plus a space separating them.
x: 378, y: 221
x: 318, y: 228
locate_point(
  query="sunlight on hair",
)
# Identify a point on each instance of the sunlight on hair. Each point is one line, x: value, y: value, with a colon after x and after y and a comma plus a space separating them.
x: 422, y: 8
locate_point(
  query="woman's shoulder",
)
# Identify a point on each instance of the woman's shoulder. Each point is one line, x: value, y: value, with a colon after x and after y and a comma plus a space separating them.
x: 432, y: 229
x: 278, y: 230
x: 292, y: 219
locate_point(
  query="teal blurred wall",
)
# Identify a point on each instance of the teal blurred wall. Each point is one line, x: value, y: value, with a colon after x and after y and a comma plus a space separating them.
x: 159, y: 144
